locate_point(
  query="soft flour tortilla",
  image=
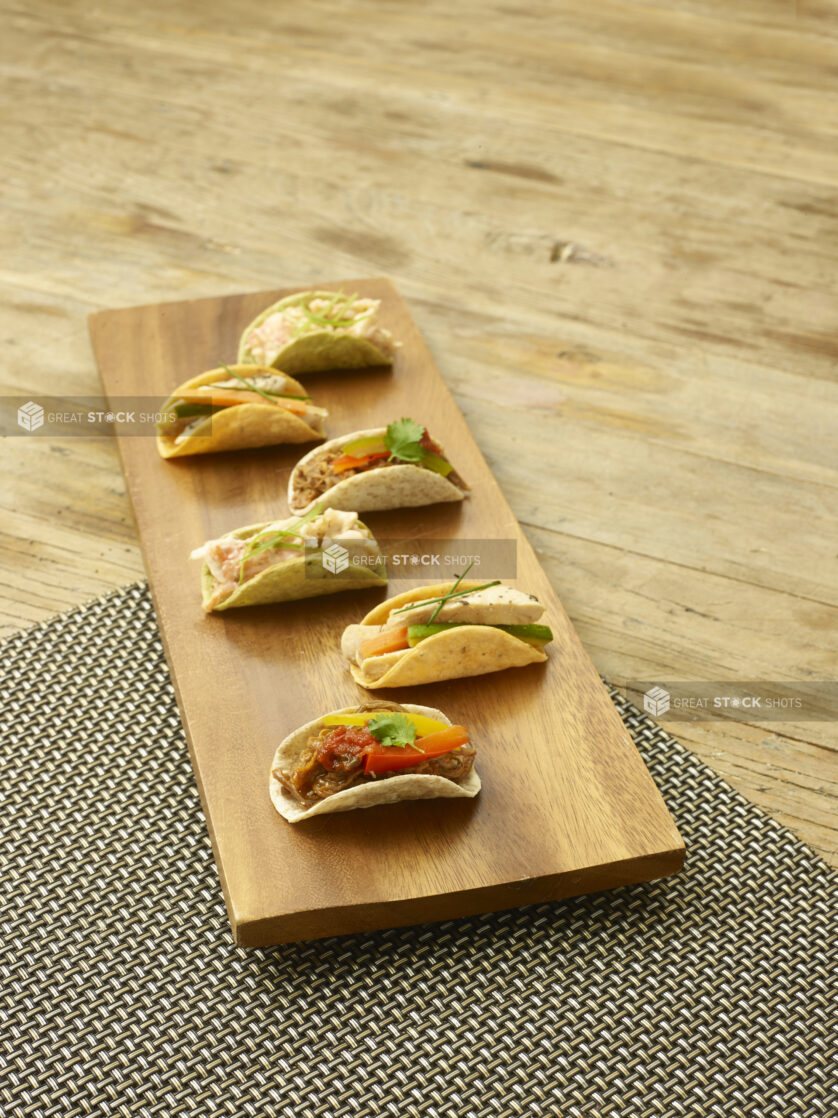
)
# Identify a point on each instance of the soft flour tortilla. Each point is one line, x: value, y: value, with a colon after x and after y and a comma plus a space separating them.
x: 410, y: 786
x: 465, y: 651
x: 387, y: 487
x: 318, y: 350
x: 301, y: 576
x: 239, y: 427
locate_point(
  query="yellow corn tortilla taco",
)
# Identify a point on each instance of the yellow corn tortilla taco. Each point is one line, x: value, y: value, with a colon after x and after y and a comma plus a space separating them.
x: 301, y: 557
x: 445, y: 631
x: 313, y: 331
x: 300, y: 787
x: 199, y: 428
x: 380, y: 480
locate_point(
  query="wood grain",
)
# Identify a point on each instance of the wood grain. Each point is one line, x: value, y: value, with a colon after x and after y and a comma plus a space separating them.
x: 615, y: 224
x: 567, y: 805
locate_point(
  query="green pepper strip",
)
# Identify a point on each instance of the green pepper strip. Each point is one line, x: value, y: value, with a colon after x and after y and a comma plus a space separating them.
x: 184, y: 411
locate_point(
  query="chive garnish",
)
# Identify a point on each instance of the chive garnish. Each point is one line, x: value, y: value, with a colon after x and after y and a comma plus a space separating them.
x: 460, y: 594
x: 262, y: 392
x: 265, y: 391
x: 452, y: 593
x: 447, y: 597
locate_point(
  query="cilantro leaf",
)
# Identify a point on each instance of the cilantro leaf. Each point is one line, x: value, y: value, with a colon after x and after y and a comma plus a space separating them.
x: 391, y: 728
x: 403, y: 440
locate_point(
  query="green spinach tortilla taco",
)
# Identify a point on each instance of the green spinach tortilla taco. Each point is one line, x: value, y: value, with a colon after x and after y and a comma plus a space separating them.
x: 399, y: 466
x: 236, y: 407
x: 323, y: 552
x: 313, y: 331
x: 445, y: 631
x: 379, y: 753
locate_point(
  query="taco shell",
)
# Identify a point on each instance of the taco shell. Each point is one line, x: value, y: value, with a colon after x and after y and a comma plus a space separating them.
x: 237, y: 428
x: 409, y: 786
x: 455, y: 653
x: 318, y: 350
x: 387, y: 487
x: 302, y: 576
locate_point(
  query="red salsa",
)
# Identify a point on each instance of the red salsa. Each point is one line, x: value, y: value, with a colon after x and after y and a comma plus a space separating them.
x: 345, y: 748
x: 427, y: 443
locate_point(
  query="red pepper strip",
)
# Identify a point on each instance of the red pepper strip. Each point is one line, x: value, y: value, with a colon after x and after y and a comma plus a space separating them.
x: 385, y: 758
x: 350, y: 462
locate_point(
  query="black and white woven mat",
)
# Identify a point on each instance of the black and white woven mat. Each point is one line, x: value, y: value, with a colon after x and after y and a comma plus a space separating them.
x: 709, y: 994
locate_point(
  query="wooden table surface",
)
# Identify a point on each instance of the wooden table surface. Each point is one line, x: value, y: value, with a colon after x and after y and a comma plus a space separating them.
x: 616, y: 226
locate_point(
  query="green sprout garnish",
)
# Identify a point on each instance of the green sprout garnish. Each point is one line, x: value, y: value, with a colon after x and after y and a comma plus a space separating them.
x: 270, y: 539
x: 321, y: 320
x: 338, y: 303
x: 303, y: 327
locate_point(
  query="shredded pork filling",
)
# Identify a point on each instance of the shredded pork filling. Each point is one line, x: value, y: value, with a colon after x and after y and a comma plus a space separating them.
x: 310, y: 781
x: 266, y: 341
x: 313, y: 478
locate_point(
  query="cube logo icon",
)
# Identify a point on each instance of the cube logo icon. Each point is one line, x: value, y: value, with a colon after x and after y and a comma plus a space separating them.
x: 656, y: 701
x: 335, y: 558
x: 30, y: 416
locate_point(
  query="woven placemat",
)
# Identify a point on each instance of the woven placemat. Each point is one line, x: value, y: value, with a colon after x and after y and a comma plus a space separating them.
x: 708, y: 994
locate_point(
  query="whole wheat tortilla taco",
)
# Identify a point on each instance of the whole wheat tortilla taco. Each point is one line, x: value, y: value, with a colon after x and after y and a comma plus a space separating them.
x: 323, y: 552
x: 445, y: 631
x: 236, y: 407
x: 399, y: 466
x: 379, y: 753
x: 313, y: 331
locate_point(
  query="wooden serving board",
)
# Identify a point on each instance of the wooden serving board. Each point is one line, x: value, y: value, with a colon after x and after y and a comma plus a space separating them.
x: 567, y: 805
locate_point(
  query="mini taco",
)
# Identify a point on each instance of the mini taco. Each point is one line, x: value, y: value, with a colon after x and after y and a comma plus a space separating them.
x: 379, y: 753
x: 445, y: 631
x: 236, y: 407
x: 320, y: 553
x: 317, y: 330
x: 399, y: 466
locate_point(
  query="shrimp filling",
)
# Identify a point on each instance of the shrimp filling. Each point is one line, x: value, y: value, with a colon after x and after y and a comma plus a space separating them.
x: 233, y: 560
x: 346, y: 317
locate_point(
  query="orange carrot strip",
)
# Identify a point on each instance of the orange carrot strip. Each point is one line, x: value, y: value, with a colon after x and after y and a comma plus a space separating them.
x: 349, y: 461
x: 220, y: 398
x: 391, y: 640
